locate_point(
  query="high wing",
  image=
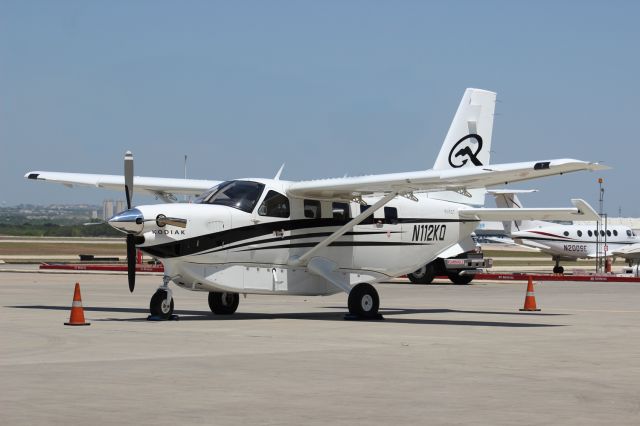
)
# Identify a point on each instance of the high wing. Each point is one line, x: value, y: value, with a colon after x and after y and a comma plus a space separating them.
x: 162, y: 187
x: 460, y: 179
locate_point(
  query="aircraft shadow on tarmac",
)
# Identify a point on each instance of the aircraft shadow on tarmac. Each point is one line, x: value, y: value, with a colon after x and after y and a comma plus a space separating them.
x: 192, y: 315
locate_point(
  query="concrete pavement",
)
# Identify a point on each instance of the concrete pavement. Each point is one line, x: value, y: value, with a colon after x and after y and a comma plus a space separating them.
x: 445, y: 354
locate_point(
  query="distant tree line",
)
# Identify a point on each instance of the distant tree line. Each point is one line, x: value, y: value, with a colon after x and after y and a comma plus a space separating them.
x: 29, y: 229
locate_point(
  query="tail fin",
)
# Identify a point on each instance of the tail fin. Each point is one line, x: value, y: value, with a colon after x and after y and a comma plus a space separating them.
x: 468, y: 142
x: 508, y: 198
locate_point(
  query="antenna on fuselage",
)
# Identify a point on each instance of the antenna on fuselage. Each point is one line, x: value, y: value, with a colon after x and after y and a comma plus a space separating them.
x: 277, y: 177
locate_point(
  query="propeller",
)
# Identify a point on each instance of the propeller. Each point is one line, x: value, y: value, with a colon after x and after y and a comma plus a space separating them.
x: 131, y: 245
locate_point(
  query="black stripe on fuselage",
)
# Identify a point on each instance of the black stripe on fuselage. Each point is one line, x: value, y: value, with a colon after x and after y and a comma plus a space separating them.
x: 293, y: 237
x: 339, y: 244
x: 222, y: 240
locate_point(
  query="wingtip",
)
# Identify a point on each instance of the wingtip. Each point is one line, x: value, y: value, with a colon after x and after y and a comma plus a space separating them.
x: 599, y: 166
x: 32, y: 175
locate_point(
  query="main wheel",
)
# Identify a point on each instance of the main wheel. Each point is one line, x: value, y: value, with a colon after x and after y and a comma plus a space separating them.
x: 223, y: 303
x: 364, y: 301
x: 424, y: 275
x: 558, y: 270
x: 456, y: 278
x: 159, y: 306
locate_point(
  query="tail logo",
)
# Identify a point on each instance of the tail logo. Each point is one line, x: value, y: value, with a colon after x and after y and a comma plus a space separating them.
x: 466, y: 149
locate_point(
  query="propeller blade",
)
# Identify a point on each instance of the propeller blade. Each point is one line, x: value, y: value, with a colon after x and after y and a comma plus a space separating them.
x: 131, y: 261
x: 128, y: 177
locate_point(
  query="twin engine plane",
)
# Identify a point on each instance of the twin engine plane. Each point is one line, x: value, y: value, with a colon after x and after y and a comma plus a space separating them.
x: 321, y: 237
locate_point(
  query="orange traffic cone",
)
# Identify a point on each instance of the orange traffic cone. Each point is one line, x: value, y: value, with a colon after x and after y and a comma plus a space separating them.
x: 77, y: 313
x: 530, y: 298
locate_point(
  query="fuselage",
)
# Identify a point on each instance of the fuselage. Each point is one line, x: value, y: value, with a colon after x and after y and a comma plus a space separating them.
x: 576, y: 241
x: 247, y: 240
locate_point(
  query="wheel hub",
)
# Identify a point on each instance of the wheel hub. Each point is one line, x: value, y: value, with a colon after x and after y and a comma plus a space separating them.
x: 165, y: 306
x: 366, y: 302
x: 420, y: 272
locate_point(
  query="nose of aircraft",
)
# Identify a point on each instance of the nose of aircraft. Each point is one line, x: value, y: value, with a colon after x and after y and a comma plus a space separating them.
x: 129, y: 221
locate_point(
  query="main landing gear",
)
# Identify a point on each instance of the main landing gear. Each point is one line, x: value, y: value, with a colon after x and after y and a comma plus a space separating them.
x: 558, y: 269
x: 223, y: 303
x: 363, y: 302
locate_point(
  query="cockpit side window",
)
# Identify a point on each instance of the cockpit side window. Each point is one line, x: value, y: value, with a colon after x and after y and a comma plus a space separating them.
x: 312, y: 209
x: 274, y: 205
x: 341, y: 211
x: 239, y: 194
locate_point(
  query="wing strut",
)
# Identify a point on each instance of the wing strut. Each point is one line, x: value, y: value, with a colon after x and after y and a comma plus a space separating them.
x: 304, y: 259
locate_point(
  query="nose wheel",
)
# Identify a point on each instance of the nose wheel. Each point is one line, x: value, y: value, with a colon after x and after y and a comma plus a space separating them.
x: 161, y: 304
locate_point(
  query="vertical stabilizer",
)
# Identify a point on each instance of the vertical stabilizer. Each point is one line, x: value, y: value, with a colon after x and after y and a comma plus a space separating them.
x: 468, y: 142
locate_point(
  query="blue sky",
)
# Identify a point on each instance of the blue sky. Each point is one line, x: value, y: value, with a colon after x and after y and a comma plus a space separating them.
x: 329, y: 87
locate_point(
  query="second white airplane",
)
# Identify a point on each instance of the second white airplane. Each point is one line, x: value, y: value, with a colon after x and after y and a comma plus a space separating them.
x: 564, y: 241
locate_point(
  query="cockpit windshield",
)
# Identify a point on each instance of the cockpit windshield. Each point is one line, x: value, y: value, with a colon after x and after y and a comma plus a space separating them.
x: 239, y: 194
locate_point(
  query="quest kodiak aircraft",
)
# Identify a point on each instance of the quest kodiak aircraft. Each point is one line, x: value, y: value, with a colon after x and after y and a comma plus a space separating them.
x: 320, y: 237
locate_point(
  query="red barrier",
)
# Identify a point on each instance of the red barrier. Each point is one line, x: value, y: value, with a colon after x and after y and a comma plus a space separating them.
x: 94, y: 267
x: 549, y: 277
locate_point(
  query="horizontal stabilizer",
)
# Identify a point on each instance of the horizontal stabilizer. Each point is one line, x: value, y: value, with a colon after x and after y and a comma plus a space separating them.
x: 581, y: 211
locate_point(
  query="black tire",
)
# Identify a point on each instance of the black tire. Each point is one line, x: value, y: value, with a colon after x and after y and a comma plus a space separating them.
x: 456, y: 278
x: 158, y: 306
x: 223, y: 303
x: 424, y: 275
x: 558, y: 270
x: 364, y: 301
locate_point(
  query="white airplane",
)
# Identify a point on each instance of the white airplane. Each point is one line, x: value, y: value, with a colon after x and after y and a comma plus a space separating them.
x: 320, y: 237
x: 564, y: 242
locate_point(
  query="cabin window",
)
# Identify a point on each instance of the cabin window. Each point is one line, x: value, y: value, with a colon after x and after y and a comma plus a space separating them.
x: 341, y: 211
x: 601, y: 233
x: 608, y: 233
x: 590, y: 233
x: 274, y: 205
x: 312, y: 209
x: 566, y: 233
x: 579, y: 233
x: 615, y: 233
x: 369, y: 219
x: 391, y: 215
x: 628, y: 233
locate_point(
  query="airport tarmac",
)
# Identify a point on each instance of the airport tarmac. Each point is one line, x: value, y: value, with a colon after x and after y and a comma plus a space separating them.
x: 445, y: 354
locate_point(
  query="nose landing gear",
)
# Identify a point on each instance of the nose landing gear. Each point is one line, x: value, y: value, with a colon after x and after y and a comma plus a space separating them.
x: 161, y: 304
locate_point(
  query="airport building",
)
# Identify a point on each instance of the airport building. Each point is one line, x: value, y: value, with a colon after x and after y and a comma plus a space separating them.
x: 111, y: 207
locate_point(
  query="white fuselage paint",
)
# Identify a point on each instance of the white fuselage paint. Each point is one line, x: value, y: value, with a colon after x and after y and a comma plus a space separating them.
x: 226, y: 249
x: 576, y: 241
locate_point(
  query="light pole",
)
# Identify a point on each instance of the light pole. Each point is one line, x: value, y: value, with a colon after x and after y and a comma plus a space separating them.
x: 600, y: 257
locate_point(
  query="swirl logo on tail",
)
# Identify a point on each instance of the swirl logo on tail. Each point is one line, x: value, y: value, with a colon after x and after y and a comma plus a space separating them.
x: 466, y: 149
